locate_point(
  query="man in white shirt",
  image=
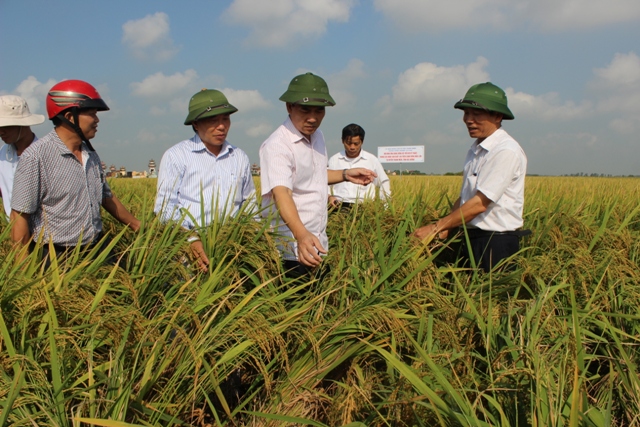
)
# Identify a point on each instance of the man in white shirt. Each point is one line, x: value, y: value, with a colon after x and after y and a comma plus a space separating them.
x: 294, y: 176
x: 492, y: 197
x: 15, y: 131
x: 345, y: 194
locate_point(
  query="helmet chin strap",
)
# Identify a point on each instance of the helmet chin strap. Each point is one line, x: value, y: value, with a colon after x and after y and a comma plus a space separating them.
x: 18, y: 138
x: 76, y: 128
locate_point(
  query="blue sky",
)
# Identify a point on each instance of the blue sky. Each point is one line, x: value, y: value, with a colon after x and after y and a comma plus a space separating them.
x: 571, y: 70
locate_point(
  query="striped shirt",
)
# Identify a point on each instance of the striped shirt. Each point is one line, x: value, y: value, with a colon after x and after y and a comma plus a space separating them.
x: 8, y: 164
x: 62, y: 196
x: 353, y: 193
x: 288, y: 159
x: 195, y: 187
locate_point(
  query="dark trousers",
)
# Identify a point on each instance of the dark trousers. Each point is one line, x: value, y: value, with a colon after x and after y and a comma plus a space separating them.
x: 63, y: 251
x: 344, y: 207
x: 489, y: 248
x: 296, y: 270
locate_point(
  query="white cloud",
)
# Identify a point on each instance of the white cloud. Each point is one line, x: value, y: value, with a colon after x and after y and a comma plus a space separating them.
x: 341, y: 84
x: 428, y: 86
x: 159, y: 85
x: 246, y: 100
x: 625, y: 126
x: 35, y: 93
x: 617, y: 87
x: 146, y: 136
x: 560, y: 141
x: 428, y: 83
x: 505, y: 15
x: 175, y: 106
x: 561, y: 15
x: 277, y: 23
x: 547, y: 106
x: 261, y: 129
x: 437, y: 137
x: 436, y: 15
x: 149, y: 37
x: 623, y: 70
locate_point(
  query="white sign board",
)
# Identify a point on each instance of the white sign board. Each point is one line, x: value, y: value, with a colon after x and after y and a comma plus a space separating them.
x: 401, y: 154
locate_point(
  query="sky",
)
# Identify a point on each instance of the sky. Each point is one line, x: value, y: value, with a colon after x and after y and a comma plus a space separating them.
x: 570, y: 68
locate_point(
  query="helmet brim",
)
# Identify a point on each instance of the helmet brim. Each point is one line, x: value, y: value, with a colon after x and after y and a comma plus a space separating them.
x: 212, y: 111
x: 90, y: 104
x: 486, y: 105
x: 310, y: 99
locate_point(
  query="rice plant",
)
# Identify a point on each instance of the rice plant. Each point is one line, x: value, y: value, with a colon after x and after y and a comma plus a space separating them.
x: 397, y: 334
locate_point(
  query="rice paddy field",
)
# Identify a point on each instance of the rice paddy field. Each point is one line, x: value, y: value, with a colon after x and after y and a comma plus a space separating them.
x: 397, y: 334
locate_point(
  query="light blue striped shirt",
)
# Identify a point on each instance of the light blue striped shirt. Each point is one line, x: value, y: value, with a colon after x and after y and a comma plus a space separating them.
x: 191, y: 179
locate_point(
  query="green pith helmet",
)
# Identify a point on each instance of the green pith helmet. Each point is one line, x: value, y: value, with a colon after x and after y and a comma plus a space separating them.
x: 207, y: 103
x: 486, y: 96
x: 308, y: 89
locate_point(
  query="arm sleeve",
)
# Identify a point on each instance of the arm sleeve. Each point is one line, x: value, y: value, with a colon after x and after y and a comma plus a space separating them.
x: 277, y: 167
x: 27, y: 185
x: 170, y: 176
x: 332, y: 165
x: 106, y: 189
x: 249, y: 188
x: 383, y: 181
x: 497, y: 173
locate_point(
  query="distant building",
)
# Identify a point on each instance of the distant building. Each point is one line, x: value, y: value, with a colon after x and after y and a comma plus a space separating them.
x: 112, y: 172
x: 255, y: 169
x: 152, y: 169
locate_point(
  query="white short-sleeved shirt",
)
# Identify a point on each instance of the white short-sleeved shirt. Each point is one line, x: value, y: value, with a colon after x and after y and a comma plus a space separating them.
x: 8, y: 165
x: 352, y: 193
x: 288, y: 159
x: 496, y: 167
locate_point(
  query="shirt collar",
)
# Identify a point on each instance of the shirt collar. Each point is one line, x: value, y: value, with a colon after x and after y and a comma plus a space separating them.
x: 363, y: 155
x: 491, y: 141
x: 62, y: 149
x: 197, y: 145
x: 294, y: 135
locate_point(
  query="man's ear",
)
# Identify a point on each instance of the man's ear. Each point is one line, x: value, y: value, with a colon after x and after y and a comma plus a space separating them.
x: 69, y: 116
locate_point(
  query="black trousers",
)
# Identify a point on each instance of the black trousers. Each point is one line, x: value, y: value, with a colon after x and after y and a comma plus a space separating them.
x: 489, y: 248
x: 64, y: 251
x: 296, y: 270
x: 344, y: 207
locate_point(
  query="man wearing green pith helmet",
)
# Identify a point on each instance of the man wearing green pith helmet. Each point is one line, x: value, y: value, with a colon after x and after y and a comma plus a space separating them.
x: 294, y: 176
x: 492, y: 197
x: 204, y: 178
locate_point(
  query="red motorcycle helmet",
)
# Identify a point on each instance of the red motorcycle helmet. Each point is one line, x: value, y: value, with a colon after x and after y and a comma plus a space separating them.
x: 73, y: 93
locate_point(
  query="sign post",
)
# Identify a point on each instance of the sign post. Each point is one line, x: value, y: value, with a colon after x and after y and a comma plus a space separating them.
x: 401, y: 154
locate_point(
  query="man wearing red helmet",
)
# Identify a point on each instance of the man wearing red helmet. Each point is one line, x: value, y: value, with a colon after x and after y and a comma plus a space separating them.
x: 59, y: 184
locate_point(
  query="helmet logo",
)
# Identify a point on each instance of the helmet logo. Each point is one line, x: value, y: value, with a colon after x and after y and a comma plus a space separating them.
x: 66, y: 98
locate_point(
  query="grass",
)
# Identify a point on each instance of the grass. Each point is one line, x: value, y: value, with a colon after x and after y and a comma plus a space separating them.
x: 396, y: 335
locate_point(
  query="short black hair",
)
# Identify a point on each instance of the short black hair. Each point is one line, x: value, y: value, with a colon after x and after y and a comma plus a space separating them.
x: 351, y: 130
